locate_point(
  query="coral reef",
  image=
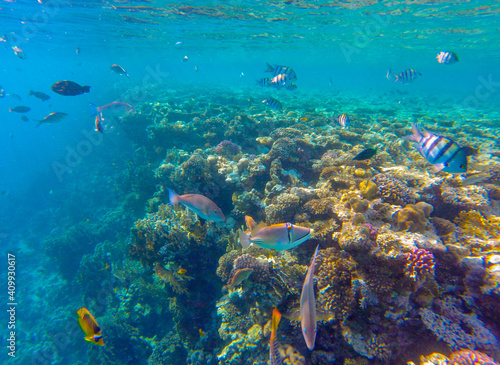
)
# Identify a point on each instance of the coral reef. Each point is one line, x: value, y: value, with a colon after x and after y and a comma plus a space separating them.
x: 393, y: 190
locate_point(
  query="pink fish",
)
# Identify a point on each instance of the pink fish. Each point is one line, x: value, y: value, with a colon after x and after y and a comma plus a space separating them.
x: 199, y: 204
x: 308, y: 306
x: 115, y: 109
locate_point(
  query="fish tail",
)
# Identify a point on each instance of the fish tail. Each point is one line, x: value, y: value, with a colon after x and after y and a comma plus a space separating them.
x: 173, y: 197
x: 93, y: 107
x: 276, y: 320
x: 269, y: 68
x: 396, y: 78
x: 244, y: 240
x: 416, y: 136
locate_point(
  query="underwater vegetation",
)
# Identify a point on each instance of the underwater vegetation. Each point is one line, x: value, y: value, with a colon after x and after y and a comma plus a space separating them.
x: 408, y: 259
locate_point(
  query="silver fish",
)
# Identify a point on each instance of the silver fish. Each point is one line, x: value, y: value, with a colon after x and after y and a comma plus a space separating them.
x: 199, y: 204
x: 308, y: 306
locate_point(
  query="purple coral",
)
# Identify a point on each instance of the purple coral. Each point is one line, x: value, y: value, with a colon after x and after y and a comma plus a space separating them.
x: 469, y: 357
x: 419, y: 264
x: 227, y: 148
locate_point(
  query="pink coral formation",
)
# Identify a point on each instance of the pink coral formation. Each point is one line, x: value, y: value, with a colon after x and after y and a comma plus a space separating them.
x: 419, y: 264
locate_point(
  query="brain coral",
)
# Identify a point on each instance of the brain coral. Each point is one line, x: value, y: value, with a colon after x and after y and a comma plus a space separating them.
x: 393, y: 191
x: 413, y: 217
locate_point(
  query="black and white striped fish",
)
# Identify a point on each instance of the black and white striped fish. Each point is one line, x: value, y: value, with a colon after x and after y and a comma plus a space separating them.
x: 447, y: 58
x: 407, y: 76
x: 278, y: 70
x: 291, y: 87
x: 273, y: 103
x: 445, y: 154
x: 264, y: 82
x: 280, y: 80
x: 343, y: 120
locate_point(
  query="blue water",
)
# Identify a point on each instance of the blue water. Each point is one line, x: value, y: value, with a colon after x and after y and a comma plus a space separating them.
x: 351, y: 43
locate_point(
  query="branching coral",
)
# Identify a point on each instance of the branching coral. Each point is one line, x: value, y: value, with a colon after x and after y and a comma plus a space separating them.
x: 419, y: 264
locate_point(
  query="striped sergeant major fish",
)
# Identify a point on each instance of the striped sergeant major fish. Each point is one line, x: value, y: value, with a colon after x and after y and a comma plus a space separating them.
x: 447, y: 58
x: 343, y: 120
x: 279, y: 70
x: 264, y: 82
x: 308, y: 320
x: 442, y: 152
x: 274, y: 352
x: 407, y: 76
x: 273, y: 103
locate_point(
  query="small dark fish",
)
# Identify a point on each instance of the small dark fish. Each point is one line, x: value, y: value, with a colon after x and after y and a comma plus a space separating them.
x: 98, y: 124
x: 53, y: 118
x: 119, y: 70
x: 19, y: 52
x: 447, y: 58
x: 366, y: 154
x: 24, y: 118
x: 69, y: 88
x: 20, y: 109
x: 273, y: 103
x: 39, y: 95
x: 407, y: 76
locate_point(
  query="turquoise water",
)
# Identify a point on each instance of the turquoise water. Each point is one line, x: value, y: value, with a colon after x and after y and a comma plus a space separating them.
x: 82, y: 212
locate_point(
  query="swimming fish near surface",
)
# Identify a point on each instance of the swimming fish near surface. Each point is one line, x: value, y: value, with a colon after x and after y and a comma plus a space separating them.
x: 407, y: 76
x: 201, y: 205
x: 274, y: 352
x: 448, y: 58
x: 19, y: 52
x: 273, y: 103
x: 308, y: 320
x: 442, y: 152
x: 365, y: 154
x: 98, y: 124
x: 117, y: 69
x: 278, y: 70
x: 52, y: 118
x: 90, y: 327
x: 69, y: 88
x: 115, y: 109
x: 39, y: 95
x: 20, y: 109
x: 281, y: 236
x: 343, y: 120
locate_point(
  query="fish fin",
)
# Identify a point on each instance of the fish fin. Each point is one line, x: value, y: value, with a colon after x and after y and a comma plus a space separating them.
x: 257, y: 228
x: 244, y: 240
x: 269, y: 68
x: 416, y: 136
x: 93, y: 107
x: 39, y: 123
x: 396, y: 78
x: 250, y: 223
x: 438, y: 167
x: 202, y: 221
x: 293, y: 315
x: 322, y: 315
x: 173, y: 198
x: 276, y: 319
x: 30, y: 92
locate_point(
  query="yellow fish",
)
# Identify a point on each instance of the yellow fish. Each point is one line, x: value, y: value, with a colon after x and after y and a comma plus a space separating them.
x: 181, y: 271
x: 90, y: 327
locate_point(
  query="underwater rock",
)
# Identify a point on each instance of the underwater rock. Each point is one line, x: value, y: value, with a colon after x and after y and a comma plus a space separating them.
x: 368, y: 189
x: 413, y: 217
x: 466, y: 197
x: 283, y: 208
x: 393, y: 190
x: 169, y: 350
x: 354, y: 237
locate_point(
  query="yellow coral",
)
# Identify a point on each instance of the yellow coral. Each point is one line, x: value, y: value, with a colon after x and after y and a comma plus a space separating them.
x: 479, y: 225
x: 368, y: 189
x: 413, y: 217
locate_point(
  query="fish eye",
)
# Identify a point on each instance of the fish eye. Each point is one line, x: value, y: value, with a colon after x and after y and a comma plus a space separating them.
x: 462, y: 166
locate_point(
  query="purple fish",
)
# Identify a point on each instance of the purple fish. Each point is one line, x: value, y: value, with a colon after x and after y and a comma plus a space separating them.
x: 308, y: 306
x: 199, y: 204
